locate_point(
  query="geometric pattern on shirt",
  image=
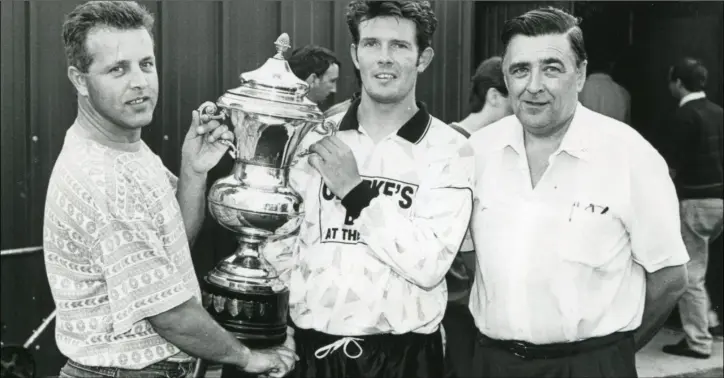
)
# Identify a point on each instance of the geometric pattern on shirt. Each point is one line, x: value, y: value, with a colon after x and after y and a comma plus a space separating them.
x: 346, y: 287
x: 116, y: 253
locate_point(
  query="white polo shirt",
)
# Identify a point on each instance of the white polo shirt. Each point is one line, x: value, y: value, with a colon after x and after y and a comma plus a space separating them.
x: 383, y: 271
x: 565, y: 261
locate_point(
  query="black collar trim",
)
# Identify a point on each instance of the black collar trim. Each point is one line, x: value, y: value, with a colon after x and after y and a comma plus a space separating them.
x: 413, y: 131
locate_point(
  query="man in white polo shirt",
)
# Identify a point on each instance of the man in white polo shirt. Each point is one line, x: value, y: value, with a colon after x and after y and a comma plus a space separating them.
x: 579, y: 260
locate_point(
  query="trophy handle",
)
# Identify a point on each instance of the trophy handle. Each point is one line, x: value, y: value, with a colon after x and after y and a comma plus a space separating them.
x: 209, y: 111
x: 326, y: 128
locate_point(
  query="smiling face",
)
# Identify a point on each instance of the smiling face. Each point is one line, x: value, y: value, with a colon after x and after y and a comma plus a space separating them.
x: 388, y: 58
x: 543, y: 81
x: 121, y: 82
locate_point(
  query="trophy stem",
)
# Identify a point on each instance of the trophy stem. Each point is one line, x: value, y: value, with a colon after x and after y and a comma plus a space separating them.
x: 247, y: 254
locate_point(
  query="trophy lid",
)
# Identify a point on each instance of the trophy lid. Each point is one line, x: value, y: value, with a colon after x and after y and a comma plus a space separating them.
x: 273, y: 89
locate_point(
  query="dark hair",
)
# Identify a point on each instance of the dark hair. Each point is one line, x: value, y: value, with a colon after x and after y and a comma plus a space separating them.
x: 691, y: 72
x: 419, y: 12
x: 489, y: 74
x: 545, y: 21
x: 311, y: 59
x: 124, y: 15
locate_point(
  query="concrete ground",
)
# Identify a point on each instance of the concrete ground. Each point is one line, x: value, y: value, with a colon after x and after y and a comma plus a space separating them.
x: 651, y: 362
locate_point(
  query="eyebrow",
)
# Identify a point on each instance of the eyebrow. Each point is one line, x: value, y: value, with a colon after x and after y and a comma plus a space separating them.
x: 552, y: 61
x: 517, y: 65
x: 401, y: 41
x: 392, y: 40
x: 126, y: 62
x: 545, y: 61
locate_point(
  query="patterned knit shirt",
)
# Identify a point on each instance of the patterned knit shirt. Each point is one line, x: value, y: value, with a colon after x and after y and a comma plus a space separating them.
x: 116, y: 251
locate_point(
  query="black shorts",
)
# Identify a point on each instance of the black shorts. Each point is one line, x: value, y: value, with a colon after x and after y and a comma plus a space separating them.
x: 381, y: 356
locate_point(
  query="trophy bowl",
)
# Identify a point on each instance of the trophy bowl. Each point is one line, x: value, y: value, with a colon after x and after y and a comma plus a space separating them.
x: 269, y: 115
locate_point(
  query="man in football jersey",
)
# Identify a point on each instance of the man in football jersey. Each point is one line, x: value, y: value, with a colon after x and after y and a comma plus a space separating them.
x: 387, y: 201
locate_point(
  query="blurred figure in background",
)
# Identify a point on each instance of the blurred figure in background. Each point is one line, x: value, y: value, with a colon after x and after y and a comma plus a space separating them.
x: 695, y: 159
x: 488, y: 97
x: 344, y: 105
x: 603, y: 95
x: 319, y: 67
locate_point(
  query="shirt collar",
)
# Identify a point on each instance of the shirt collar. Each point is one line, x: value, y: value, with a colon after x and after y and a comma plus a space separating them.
x: 574, y: 143
x: 412, y: 131
x: 691, y: 97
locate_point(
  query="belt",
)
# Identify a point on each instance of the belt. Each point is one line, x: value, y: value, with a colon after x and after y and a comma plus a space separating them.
x: 530, y: 351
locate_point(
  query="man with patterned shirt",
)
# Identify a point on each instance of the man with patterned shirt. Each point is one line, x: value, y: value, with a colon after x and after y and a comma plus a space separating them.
x: 118, y: 224
x: 387, y: 203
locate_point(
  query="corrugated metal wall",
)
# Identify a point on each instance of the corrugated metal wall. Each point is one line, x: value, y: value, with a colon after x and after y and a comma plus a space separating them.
x: 202, y: 47
x: 490, y: 17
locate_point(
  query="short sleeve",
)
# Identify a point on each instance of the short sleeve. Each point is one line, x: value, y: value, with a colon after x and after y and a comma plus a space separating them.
x: 654, y: 225
x: 141, y: 279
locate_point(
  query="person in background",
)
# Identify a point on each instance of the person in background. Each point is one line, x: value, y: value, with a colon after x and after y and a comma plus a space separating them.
x: 118, y: 224
x: 695, y: 157
x: 603, y: 95
x: 579, y: 262
x: 489, y: 100
x: 319, y: 67
x: 489, y: 103
x: 342, y: 107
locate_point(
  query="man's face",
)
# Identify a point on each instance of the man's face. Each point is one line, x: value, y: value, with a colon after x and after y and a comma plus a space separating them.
x: 543, y: 81
x: 324, y: 85
x: 388, y: 58
x: 121, y: 83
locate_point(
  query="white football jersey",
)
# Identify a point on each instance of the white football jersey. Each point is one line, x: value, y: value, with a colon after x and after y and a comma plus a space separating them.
x: 380, y: 272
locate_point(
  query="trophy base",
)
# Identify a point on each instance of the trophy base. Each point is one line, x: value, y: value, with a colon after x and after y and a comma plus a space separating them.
x: 259, y: 320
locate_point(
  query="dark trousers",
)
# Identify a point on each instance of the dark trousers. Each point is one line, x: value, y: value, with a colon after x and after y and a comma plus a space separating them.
x: 458, y: 323
x: 382, y: 356
x: 607, y: 356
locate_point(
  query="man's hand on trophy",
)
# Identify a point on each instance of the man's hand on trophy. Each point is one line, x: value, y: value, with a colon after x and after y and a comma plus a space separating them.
x: 334, y: 160
x: 273, y: 362
x: 203, y: 146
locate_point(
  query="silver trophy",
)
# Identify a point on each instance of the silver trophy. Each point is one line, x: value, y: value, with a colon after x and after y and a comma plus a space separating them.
x: 270, y: 115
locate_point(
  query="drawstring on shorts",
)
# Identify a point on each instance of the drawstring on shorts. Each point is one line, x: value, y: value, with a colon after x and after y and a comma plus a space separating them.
x: 341, y: 343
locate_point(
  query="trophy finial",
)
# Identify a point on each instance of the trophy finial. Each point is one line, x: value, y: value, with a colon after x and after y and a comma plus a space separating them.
x: 282, y: 44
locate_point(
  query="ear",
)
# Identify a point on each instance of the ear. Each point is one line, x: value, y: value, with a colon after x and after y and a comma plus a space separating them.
x: 311, y: 79
x: 492, y: 97
x: 79, y: 81
x: 353, y: 54
x: 425, y: 59
x: 679, y: 84
x: 581, y: 75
